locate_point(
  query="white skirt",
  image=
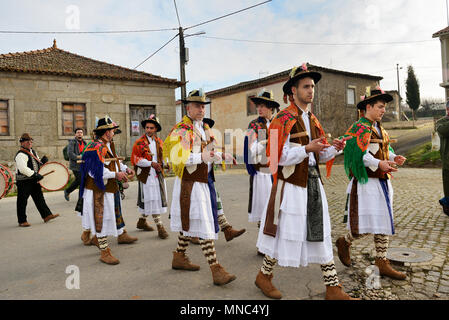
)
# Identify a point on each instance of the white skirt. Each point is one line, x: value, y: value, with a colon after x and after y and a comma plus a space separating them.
x: 201, y: 217
x: 109, y: 227
x: 261, y: 194
x: 290, y: 246
x: 373, y: 212
x: 152, y: 197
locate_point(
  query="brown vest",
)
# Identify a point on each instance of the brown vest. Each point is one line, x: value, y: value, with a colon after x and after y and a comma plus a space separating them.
x: 300, y: 176
x: 201, y: 172
x: 111, y: 185
x: 382, y: 154
x: 145, y: 171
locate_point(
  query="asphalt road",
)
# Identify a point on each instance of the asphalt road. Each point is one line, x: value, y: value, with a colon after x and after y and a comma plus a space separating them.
x: 34, y: 260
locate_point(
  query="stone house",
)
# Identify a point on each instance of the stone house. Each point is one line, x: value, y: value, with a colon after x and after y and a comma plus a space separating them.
x: 443, y: 35
x: 336, y: 97
x: 50, y: 92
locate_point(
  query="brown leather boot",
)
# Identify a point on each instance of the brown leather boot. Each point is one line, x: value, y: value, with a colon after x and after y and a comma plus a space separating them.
x: 85, y: 238
x: 24, y: 224
x: 337, y: 293
x: 181, y: 262
x: 142, y: 224
x: 220, y: 276
x: 263, y: 282
x: 232, y: 233
x: 195, y: 240
x: 344, y: 251
x: 51, y: 216
x: 125, y: 238
x: 161, y: 232
x: 385, y: 269
x: 107, y: 257
x: 94, y: 241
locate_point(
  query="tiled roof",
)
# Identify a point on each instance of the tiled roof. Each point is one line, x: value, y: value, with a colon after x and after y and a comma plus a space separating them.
x: 441, y: 32
x: 282, y: 76
x: 55, y: 61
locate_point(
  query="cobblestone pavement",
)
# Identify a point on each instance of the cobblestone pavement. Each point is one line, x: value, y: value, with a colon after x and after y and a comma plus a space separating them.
x: 145, y: 270
x: 419, y: 224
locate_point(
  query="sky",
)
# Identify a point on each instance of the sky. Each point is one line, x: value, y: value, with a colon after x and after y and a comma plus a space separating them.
x: 362, y: 36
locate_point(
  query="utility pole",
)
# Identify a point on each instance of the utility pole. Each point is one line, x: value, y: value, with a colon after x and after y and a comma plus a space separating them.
x: 182, y: 62
x: 399, y: 91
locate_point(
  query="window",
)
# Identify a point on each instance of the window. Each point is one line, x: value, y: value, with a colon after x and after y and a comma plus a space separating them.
x: 250, y: 106
x: 4, y: 118
x: 73, y: 116
x: 350, y: 96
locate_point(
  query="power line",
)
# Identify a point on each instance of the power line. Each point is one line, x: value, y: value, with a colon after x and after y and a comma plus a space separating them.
x: 176, y: 8
x: 156, y: 51
x: 319, y: 43
x: 227, y: 15
x: 86, y: 32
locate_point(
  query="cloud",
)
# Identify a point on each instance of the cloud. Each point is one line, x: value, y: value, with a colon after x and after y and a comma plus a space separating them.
x: 217, y: 63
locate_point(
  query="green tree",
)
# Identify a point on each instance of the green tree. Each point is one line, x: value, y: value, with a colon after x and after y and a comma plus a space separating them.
x: 412, y: 91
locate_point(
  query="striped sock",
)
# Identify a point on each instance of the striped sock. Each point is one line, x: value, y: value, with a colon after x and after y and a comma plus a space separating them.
x: 157, y: 219
x: 258, y: 225
x: 183, y: 243
x: 223, y: 222
x: 209, y: 252
x: 330, y: 274
x: 143, y: 216
x: 102, y: 243
x: 268, y: 265
x: 348, y: 237
x: 381, y: 243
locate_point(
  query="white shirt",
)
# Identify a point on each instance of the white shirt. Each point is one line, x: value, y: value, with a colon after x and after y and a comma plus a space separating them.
x: 195, y: 158
x: 146, y: 163
x: 368, y: 158
x: 22, y: 164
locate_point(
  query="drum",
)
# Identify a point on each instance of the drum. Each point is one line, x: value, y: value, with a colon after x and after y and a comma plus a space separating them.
x: 6, y: 181
x: 56, y: 176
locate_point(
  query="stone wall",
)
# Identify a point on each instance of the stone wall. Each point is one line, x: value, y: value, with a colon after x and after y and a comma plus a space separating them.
x: 35, y: 106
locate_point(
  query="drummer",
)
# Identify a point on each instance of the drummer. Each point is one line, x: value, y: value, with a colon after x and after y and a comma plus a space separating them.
x: 27, y: 167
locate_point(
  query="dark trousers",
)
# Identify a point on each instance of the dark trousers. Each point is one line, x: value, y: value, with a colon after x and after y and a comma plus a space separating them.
x: 446, y: 182
x: 28, y: 188
x: 75, y: 183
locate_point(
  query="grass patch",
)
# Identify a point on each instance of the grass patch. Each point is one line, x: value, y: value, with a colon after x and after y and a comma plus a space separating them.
x: 423, y: 156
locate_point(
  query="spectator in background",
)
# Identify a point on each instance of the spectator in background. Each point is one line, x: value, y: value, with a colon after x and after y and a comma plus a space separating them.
x: 442, y: 127
x: 74, y: 149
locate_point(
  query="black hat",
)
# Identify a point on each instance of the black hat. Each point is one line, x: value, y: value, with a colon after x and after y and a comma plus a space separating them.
x: 299, y: 73
x: 105, y: 123
x: 152, y: 119
x: 196, y: 96
x: 209, y: 122
x: 266, y: 98
x: 373, y: 95
x: 25, y: 137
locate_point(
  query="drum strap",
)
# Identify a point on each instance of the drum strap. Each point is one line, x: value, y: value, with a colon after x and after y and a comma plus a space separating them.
x: 31, y: 154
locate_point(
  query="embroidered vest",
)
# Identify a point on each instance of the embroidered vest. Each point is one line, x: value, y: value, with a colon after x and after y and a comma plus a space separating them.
x: 300, y: 175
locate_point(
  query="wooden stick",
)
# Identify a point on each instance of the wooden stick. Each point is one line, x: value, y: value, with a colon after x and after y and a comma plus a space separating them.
x: 46, y: 174
x: 380, y: 140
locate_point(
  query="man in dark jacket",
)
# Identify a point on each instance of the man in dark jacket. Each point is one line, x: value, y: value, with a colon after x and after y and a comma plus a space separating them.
x: 74, y: 149
x: 442, y: 127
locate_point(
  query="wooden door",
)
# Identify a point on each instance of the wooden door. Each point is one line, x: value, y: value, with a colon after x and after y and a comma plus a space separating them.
x: 138, y: 113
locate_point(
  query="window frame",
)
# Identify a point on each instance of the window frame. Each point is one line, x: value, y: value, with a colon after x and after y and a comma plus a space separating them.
x: 11, y: 124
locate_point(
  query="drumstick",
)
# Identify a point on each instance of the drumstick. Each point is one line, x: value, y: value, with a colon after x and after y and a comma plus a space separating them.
x: 46, y: 174
x: 107, y: 159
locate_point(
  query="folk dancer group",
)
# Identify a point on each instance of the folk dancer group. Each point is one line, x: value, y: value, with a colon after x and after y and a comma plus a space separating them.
x: 282, y: 151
